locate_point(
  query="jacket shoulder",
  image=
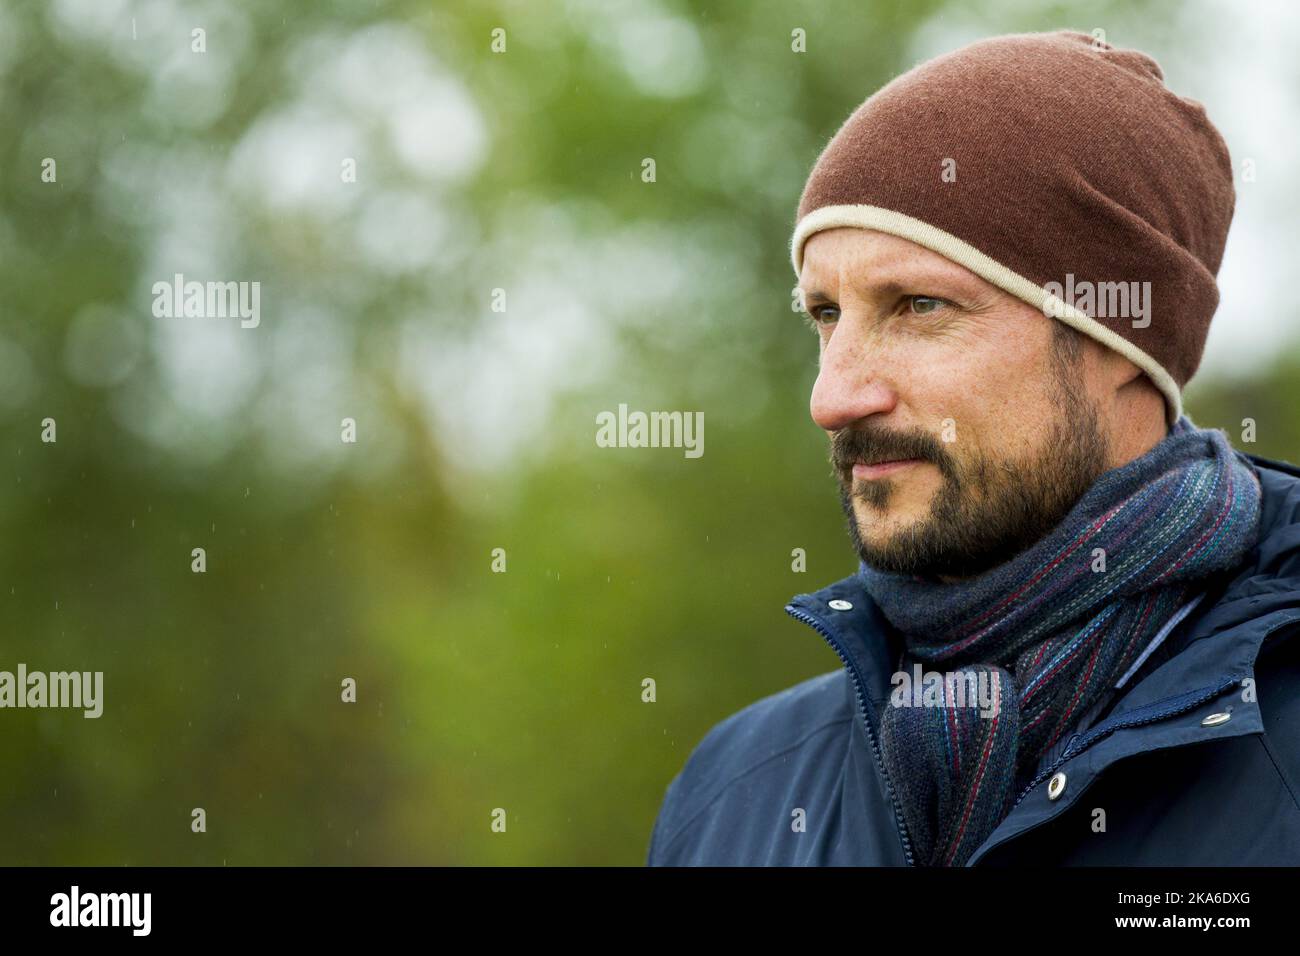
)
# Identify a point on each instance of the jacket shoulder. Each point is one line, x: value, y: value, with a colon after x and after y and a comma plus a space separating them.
x: 1277, y: 568
x: 732, y: 749
x: 1277, y: 685
x: 1275, y: 464
x: 1281, y: 487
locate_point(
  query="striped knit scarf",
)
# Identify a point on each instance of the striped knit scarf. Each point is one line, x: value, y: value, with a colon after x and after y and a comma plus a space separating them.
x: 1050, y: 631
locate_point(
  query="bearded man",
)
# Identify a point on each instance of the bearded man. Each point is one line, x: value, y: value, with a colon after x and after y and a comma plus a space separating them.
x: 1100, y: 599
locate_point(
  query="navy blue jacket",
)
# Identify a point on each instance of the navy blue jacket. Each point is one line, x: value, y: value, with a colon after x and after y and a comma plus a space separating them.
x: 1196, y: 761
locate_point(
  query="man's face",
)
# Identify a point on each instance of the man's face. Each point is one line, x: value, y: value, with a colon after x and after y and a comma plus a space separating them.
x: 921, y: 360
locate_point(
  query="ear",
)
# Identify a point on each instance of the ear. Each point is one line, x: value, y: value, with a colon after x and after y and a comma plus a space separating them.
x: 1114, y: 371
x: 1135, y: 398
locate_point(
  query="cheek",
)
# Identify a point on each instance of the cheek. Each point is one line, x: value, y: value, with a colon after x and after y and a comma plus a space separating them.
x: 940, y: 378
x: 989, y: 393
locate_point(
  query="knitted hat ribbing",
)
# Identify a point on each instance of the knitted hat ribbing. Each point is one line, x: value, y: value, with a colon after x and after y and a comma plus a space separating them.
x: 1046, y: 163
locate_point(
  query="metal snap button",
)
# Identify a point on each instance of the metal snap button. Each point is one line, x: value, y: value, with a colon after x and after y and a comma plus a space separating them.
x: 1056, y: 786
x: 841, y: 605
x: 1215, y: 719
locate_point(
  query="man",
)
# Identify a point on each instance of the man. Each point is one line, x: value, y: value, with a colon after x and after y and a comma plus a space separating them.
x: 1074, y: 633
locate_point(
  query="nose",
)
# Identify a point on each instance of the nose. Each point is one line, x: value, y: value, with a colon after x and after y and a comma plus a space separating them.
x: 848, y: 386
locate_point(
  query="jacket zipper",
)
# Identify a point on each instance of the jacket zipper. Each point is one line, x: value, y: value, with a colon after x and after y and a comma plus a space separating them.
x: 859, y: 688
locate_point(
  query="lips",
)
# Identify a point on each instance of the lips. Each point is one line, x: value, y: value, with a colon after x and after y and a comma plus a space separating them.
x: 863, y: 470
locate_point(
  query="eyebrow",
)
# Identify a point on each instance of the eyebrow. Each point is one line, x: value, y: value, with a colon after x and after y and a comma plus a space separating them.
x: 946, y: 281
x: 886, y: 289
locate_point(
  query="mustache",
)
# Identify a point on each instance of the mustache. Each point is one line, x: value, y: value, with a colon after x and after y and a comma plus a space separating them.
x: 852, y: 445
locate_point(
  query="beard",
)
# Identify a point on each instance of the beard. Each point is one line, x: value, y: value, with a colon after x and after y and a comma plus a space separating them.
x: 987, y: 510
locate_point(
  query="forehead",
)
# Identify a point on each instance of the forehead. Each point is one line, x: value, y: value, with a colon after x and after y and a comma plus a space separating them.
x: 865, y: 257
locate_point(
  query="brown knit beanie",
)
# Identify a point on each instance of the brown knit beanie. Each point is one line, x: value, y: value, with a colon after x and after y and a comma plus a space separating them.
x: 1058, y: 168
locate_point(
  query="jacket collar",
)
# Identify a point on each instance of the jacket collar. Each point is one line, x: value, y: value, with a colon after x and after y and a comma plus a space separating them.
x: 1164, y: 709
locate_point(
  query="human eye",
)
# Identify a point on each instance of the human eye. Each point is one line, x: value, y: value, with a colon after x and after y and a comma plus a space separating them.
x: 925, y: 304
x: 821, y: 316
